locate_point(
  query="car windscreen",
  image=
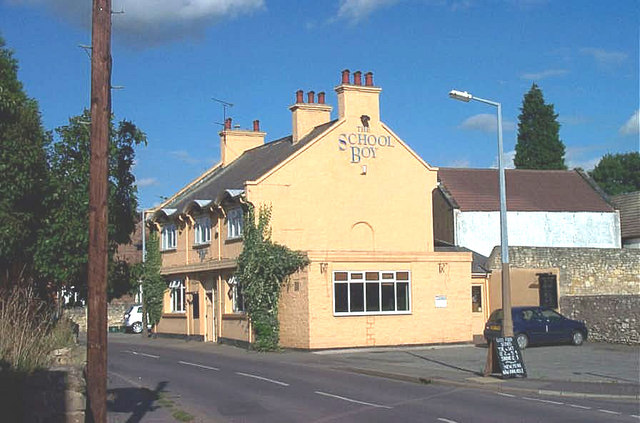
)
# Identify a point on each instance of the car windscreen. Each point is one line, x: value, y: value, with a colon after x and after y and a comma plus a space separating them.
x: 496, y: 315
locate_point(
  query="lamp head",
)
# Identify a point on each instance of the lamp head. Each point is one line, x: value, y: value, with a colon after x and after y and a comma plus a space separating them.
x: 460, y: 95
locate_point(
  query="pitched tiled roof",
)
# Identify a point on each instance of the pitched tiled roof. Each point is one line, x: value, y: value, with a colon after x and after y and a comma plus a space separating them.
x: 527, y: 190
x: 251, y: 165
x: 629, y: 206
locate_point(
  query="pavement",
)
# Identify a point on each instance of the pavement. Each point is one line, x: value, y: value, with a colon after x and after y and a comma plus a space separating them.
x: 593, y: 370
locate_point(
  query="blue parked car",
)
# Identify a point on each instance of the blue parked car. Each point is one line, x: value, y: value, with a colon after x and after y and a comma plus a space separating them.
x: 537, y: 325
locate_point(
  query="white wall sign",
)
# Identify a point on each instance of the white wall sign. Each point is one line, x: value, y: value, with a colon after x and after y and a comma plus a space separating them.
x: 441, y: 301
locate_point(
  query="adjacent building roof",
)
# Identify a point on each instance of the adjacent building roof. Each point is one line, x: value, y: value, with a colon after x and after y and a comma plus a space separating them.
x: 478, y: 261
x: 527, y: 190
x: 251, y: 165
x: 629, y: 206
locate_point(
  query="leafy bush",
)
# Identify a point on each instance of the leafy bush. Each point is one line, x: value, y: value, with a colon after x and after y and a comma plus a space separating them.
x: 263, y: 267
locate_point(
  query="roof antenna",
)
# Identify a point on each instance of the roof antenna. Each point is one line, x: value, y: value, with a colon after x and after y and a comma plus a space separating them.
x: 225, y: 104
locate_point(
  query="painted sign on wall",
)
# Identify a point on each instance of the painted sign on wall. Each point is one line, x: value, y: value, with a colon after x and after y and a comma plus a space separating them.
x: 363, y: 144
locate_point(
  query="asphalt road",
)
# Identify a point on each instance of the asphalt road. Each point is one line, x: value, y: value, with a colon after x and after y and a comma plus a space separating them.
x: 151, y: 382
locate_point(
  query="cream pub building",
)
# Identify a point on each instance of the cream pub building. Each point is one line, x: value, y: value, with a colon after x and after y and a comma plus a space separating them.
x: 349, y: 193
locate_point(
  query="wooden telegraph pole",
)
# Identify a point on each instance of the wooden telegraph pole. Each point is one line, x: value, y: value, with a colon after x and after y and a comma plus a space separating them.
x: 98, y: 188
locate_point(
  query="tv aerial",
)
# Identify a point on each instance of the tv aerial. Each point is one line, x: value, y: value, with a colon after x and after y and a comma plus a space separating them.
x: 225, y: 105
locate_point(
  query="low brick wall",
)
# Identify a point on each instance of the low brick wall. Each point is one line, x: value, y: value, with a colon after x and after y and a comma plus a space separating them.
x: 115, y: 315
x: 609, y: 318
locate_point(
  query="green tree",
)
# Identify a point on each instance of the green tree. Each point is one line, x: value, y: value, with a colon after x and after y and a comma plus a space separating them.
x: 618, y: 173
x: 153, y: 284
x: 263, y: 267
x: 539, y: 145
x: 61, y: 256
x: 23, y: 166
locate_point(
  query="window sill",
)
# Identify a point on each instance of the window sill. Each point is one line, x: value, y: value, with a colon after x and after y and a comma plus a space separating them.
x: 373, y: 313
x: 174, y: 315
x: 235, y: 316
x: 202, y: 245
x: 169, y: 250
x: 233, y: 240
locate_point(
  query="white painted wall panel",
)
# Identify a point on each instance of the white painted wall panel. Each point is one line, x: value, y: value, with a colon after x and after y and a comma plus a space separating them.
x: 480, y: 231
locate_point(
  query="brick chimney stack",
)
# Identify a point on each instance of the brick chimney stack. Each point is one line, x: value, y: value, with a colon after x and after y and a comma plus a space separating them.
x: 355, y: 100
x: 234, y: 142
x: 306, y: 116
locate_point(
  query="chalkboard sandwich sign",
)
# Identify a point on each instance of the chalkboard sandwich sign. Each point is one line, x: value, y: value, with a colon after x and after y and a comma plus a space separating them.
x: 509, y: 357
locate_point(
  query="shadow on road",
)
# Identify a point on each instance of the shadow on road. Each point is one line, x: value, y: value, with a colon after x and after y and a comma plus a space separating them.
x: 137, y: 401
x: 451, y: 366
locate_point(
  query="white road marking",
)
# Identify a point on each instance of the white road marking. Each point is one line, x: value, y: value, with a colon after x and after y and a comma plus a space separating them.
x: 579, y: 406
x: 442, y: 419
x: 186, y: 363
x: 143, y: 354
x: 609, y: 411
x: 541, y: 400
x: 262, y: 378
x: 351, y: 400
x: 506, y: 395
x: 633, y: 415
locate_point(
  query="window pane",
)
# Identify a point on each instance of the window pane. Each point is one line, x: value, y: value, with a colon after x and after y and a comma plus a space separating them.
x: 476, y: 298
x: 356, y: 276
x: 340, y: 276
x: 372, y: 276
x: 340, y: 296
x: 388, y: 300
x: 387, y: 276
x: 195, y: 306
x: 356, y: 290
x: 402, y: 292
x: 373, y: 297
x: 402, y: 276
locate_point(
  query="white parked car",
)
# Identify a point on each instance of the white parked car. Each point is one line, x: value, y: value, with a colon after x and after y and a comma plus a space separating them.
x: 133, y: 318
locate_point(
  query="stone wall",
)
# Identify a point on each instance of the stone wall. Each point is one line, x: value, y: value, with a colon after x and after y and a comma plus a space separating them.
x: 598, y: 285
x: 582, y: 271
x: 610, y: 318
x: 115, y: 315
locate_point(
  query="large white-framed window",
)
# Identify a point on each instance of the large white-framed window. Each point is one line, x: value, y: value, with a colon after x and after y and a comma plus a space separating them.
x: 234, y: 223
x: 177, y: 296
x: 168, y: 237
x: 371, y: 292
x: 202, y: 230
x: 237, y: 298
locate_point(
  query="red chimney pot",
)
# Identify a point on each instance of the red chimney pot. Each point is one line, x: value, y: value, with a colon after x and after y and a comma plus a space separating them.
x: 227, y: 124
x: 321, y: 97
x: 368, y: 79
x: 345, y: 76
x: 299, y: 95
x: 310, y: 96
x: 256, y: 125
x: 357, y: 78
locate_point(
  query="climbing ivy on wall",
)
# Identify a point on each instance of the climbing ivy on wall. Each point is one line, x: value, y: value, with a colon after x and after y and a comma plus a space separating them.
x: 263, y: 267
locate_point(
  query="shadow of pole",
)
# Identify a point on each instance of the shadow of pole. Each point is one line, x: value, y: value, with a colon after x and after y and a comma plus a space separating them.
x: 441, y: 363
x: 137, y: 401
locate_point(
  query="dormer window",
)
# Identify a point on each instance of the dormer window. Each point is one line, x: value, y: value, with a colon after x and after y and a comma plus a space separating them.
x: 202, y: 230
x: 234, y: 223
x: 168, y: 237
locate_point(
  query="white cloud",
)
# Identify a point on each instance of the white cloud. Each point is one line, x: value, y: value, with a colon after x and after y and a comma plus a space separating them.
x: 544, y: 74
x: 356, y: 10
x: 149, y: 22
x: 459, y: 163
x: 604, y: 57
x: 507, y: 158
x: 573, y: 120
x: 485, y: 122
x: 585, y: 164
x: 632, y: 126
x: 146, y: 182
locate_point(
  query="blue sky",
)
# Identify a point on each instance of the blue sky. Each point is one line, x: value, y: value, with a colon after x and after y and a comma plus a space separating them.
x: 173, y: 56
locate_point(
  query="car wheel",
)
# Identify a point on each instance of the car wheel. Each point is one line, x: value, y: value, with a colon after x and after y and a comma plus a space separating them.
x: 137, y: 327
x: 577, y: 338
x: 522, y: 340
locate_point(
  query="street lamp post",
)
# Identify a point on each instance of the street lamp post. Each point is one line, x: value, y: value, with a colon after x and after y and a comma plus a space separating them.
x: 507, y: 321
